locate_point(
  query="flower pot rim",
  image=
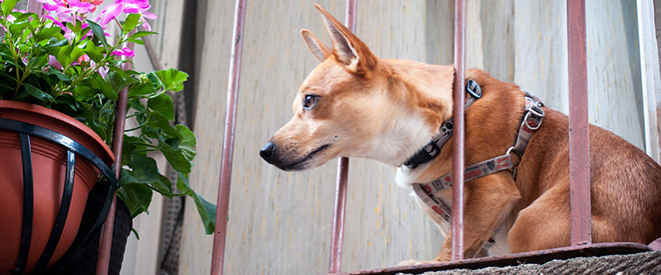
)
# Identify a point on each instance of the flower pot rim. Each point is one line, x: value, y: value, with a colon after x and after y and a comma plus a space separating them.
x: 10, y: 104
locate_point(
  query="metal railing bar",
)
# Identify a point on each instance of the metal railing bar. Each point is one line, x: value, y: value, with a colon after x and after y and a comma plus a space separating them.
x: 458, y: 136
x: 337, y: 237
x: 151, y: 52
x: 62, y: 214
x: 28, y: 203
x: 105, y: 245
x: 579, y: 143
x: 35, y: 7
x: 225, y: 180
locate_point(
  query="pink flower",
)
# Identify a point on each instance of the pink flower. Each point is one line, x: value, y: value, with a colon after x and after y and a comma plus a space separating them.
x: 134, y: 6
x: 66, y: 9
x: 147, y: 15
x: 108, y: 14
x: 54, y: 63
x: 55, y: 21
x: 103, y: 71
x: 125, y: 52
x: 83, y: 58
x: 79, y: 7
x: 126, y: 6
x: 52, y: 5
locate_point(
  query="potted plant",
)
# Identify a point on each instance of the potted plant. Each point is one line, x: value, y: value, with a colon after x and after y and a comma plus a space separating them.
x: 63, y: 64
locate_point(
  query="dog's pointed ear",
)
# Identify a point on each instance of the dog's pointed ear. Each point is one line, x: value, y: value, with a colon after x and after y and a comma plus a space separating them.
x: 348, y: 50
x: 320, y: 50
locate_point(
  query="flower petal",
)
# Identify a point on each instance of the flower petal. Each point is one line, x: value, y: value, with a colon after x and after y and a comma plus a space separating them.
x: 149, y: 15
x: 54, y: 63
x: 125, y: 52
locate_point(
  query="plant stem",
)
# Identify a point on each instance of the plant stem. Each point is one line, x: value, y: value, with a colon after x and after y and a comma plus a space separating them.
x: 145, y: 150
x: 136, y: 128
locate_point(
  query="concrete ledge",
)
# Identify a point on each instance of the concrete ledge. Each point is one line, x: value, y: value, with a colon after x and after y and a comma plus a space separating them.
x: 639, y: 263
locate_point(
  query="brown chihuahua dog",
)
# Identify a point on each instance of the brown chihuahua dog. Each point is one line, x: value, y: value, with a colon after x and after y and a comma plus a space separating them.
x: 354, y: 104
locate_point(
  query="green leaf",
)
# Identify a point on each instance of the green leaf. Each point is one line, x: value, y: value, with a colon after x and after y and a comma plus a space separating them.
x: 36, y: 92
x: 89, y: 87
x: 47, y: 33
x: 63, y: 55
x: 94, y: 52
x: 39, y: 62
x: 59, y: 74
x: 83, y: 92
x: 136, y: 196
x: 142, y: 89
x: 98, y: 32
x: 8, y: 6
x: 172, y: 79
x: 137, y: 105
x: 137, y: 236
x: 206, y: 209
x: 176, y: 158
x: 131, y: 22
x: 76, y: 53
x: 66, y: 104
x: 163, y: 186
x: 24, y: 16
x: 141, y: 34
x: 91, y: 122
x: 162, y: 104
x: 187, y: 145
x: 17, y: 28
x: 119, y: 79
x: 136, y: 38
x: 107, y: 90
x: 131, y: 144
x: 161, y: 124
x: 72, y: 27
x: 207, y: 213
x: 143, y: 170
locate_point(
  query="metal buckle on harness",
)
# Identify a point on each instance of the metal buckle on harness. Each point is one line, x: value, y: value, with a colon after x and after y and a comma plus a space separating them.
x: 509, y: 151
x: 473, y: 89
x: 537, y: 112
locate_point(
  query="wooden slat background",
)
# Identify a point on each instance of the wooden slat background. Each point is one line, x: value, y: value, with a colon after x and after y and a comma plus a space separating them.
x: 279, y: 222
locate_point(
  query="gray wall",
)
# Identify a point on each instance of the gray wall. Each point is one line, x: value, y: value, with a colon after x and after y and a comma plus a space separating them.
x: 279, y: 222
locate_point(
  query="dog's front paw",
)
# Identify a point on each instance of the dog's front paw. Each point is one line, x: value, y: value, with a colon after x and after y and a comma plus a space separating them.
x: 414, y: 262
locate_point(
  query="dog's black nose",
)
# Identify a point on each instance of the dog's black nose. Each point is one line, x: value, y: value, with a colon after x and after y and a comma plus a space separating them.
x: 267, y: 152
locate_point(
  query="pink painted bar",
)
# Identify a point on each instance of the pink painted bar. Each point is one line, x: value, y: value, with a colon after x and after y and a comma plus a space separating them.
x: 579, y: 156
x: 342, y: 176
x: 225, y: 181
x: 105, y: 245
x: 458, y: 136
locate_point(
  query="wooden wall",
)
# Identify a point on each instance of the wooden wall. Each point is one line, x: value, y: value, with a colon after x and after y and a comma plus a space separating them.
x: 279, y: 222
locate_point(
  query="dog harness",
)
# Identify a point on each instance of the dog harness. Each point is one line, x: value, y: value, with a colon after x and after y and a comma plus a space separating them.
x: 429, y: 193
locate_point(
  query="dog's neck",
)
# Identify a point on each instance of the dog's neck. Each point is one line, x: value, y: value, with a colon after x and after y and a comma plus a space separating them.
x: 481, y: 111
x: 422, y: 96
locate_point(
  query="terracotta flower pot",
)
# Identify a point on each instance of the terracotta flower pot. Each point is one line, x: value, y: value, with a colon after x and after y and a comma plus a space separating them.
x: 49, y: 163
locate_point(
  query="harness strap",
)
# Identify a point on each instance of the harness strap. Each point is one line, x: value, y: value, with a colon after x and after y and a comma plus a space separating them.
x: 429, y: 193
x: 433, y: 148
x: 531, y: 122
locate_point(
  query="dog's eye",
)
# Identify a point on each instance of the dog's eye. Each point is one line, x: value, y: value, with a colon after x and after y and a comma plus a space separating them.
x: 309, y: 101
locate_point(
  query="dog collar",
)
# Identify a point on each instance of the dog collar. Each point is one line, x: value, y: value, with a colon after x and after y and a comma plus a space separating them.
x: 433, y: 148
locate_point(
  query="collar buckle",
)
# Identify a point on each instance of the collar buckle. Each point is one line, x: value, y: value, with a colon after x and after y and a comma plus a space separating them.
x: 474, y: 89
